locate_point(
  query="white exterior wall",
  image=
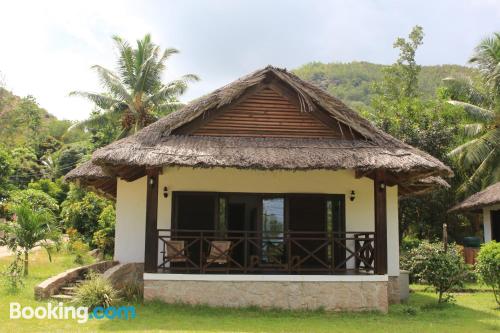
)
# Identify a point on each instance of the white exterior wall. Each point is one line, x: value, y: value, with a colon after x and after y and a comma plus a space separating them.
x: 487, y: 222
x: 131, y: 200
x: 130, y: 230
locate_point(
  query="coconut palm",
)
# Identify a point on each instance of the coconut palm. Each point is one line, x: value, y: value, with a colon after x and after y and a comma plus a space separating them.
x: 479, y: 155
x: 135, y: 93
x: 487, y: 58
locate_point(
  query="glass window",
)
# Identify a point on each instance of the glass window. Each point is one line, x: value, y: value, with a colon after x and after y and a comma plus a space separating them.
x: 222, y: 222
x: 273, y: 223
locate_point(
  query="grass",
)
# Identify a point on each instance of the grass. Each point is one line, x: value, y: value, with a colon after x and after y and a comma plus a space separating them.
x: 472, y: 312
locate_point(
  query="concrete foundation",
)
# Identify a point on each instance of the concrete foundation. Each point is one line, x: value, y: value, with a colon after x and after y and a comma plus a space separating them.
x: 332, y: 293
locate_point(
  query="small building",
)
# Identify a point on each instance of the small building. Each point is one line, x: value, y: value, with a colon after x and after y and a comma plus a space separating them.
x: 486, y: 202
x: 267, y: 192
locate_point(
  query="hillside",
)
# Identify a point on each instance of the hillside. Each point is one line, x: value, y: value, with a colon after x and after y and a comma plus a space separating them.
x: 352, y: 82
x: 23, y: 120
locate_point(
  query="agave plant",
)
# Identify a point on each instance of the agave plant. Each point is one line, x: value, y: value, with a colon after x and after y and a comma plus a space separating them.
x: 135, y: 93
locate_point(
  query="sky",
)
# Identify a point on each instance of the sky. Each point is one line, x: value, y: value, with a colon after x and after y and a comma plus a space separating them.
x: 47, y: 47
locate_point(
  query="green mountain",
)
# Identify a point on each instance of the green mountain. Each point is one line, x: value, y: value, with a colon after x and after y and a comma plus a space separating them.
x: 352, y: 82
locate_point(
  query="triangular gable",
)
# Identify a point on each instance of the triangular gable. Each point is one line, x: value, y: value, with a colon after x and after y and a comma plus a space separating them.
x: 268, y: 110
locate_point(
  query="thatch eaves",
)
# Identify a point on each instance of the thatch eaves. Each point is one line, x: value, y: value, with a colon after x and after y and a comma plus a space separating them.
x: 488, y: 197
x: 163, y: 143
x: 157, y: 144
x: 94, y: 177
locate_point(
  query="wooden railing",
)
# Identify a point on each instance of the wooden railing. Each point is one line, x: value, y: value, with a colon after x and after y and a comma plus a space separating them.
x: 250, y: 252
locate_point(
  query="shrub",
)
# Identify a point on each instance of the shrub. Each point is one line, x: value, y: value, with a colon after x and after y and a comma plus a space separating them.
x: 31, y: 227
x: 81, y: 210
x: 409, y: 243
x: 443, y: 270
x: 488, y: 267
x: 104, y: 238
x: 36, y: 199
x: 132, y: 292
x: 14, y: 273
x: 96, y: 291
x: 56, y: 189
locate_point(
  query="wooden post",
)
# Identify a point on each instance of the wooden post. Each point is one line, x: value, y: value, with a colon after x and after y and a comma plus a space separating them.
x: 380, y: 222
x: 151, y: 240
x: 445, y: 237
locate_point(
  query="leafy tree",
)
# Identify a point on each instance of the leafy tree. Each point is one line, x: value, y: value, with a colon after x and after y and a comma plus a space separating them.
x: 431, y: 125
x: 69, y: 156
x: 396, y: 95
x: 81, y: 210
x: 443, y: 269
x: 102, y: 132
x: 488, y: 267
x: 56, y: 189
x: 5, y: 173
x: 134, y: 93
x: 104, y: 238
x: 36, y: 199
x: 25, y: 166
x: 31, y: 227
x: 23, y: 124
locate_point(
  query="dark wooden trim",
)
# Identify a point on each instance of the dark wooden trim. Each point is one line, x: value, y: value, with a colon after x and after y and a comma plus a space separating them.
x: 151, y: 239
x: 380, y: 196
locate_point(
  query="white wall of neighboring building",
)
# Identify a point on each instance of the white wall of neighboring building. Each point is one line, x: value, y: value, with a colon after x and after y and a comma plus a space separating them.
x: 487, y: 222
x: 131, y: 200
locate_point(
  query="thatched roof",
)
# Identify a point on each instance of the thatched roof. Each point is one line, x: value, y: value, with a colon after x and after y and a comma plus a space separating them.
x: 422, y: 186
x: 488, y: 197
x: 94, y: 177
x: 160, y: 145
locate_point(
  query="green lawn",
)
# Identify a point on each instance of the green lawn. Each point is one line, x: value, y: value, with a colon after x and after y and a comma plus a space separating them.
x: 473, y: 312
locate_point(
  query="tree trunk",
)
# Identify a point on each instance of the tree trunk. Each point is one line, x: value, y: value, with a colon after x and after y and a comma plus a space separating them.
x: 25, y: 263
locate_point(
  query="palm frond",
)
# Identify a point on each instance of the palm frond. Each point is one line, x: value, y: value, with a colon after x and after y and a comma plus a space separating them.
x: 474, y: 152
x: 103, y: 101
x: 112, y: 82
x: 487, y: 58
x: 482, y: 172
x: 475, y: 112
x: 473, y: 130
x: 125, y: 61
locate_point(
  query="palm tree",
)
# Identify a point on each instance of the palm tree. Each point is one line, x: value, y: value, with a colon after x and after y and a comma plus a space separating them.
x: 30, y: 228
x: 479, y: 156
x: 487, y: 58
x: 135, y: 93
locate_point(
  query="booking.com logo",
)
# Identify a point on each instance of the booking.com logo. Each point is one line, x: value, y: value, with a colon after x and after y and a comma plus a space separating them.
x: 60, y: 312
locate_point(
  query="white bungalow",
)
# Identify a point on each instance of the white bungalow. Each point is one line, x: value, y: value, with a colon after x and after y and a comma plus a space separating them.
x: 266, y: 192
x: 486, y: 202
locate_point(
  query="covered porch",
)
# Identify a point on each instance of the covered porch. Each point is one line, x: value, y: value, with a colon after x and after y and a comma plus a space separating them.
x: 269, y: 233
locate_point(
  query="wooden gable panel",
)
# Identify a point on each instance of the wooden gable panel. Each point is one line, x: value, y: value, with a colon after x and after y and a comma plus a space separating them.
x: 267, y: 114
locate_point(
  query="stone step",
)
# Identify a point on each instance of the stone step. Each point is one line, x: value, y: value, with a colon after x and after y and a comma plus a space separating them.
x: 68, y: 290
x: 62, y: 298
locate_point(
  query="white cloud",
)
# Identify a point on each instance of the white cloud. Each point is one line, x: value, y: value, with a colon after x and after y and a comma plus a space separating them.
x: 48, y: 46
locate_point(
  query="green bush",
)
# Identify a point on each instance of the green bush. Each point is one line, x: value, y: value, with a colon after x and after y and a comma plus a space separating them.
x: 81, y: 210
x: 96, y: 291
x: 132, y: 292
x: 56, y: 189
x: 443, y: 270
x: 488, y: 267
x: 408, y: 243
x: 36, y: 199
x: 104, y: 238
